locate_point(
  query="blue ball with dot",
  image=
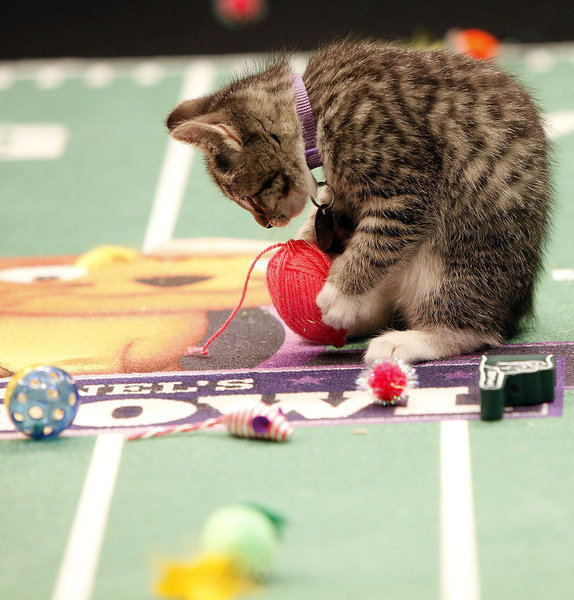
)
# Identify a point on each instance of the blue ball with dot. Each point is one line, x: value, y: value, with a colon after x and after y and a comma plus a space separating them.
x: 42, y: 401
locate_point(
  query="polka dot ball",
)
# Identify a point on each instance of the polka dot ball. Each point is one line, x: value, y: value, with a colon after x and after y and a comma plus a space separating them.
x: 42, y: 401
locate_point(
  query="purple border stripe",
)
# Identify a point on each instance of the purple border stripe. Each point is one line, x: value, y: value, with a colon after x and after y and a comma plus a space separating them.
x: 308, y: 395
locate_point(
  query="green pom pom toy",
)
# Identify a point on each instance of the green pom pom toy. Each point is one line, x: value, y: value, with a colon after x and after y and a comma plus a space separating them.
x: 248, y: 533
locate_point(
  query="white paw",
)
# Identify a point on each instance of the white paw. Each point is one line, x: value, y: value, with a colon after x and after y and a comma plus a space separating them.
x: 342, y: 312
x: 411, y: 346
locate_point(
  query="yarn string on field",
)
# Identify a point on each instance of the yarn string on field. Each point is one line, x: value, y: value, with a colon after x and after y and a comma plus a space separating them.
x: 203, y: 350
x: 161, y: 431
x: 295, y: 276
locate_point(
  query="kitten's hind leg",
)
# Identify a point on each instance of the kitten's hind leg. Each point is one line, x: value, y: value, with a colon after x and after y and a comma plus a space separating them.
x: 418, y: 345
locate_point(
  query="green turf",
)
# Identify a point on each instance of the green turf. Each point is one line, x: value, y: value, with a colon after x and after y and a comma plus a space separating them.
x: 101, y: 190
x: 358, y: 522
x: 363, y: 510
x: 39, y: 491
x: 112, y: 163
x: 523, y: 477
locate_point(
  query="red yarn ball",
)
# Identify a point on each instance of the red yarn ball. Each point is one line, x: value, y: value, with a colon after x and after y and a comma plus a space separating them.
x: 295, y: 276
x: 388, y: 381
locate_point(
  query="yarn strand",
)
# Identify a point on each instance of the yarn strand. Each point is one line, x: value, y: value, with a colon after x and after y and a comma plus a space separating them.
x: 161, y: 431
x: 203, y: 350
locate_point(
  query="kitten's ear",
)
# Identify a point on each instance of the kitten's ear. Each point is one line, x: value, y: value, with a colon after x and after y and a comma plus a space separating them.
x: 190, y: 109
x: 209, y: 132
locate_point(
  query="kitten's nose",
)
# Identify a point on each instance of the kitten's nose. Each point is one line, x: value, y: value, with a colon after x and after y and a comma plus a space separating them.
x: 263, y: 221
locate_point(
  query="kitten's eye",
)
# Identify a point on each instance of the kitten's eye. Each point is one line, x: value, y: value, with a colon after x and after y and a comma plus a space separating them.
x: 244, y: 202
x: 252, y: 202
x: 266, y: 184
x: 254, y: 205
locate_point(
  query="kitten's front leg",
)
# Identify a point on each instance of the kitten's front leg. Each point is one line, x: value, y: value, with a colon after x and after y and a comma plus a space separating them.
x: 307, y: 231
x: 349, y: 311
x: 385, y: 228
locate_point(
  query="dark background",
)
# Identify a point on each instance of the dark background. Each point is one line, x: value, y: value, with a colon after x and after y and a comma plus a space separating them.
x: 30, y: 29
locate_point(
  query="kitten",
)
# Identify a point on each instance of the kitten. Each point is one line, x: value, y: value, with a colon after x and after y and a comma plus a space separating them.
x: 437, y: 175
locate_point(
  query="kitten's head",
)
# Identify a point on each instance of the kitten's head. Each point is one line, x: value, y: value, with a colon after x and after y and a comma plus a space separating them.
x: 252, y: 140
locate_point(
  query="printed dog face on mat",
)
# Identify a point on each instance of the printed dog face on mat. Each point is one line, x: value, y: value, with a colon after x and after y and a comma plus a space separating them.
x: 136, y: 315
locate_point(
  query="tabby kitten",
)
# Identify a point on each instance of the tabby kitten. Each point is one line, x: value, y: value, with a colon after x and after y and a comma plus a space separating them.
x: 437, y: 175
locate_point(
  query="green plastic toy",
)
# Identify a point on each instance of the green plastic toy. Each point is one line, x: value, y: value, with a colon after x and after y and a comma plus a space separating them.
x: 515, y: 380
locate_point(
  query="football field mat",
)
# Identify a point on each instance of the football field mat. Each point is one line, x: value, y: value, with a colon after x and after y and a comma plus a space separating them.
x: 429, y: 502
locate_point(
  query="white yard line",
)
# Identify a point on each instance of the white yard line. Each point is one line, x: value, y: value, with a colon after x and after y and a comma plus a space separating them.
x: 563, y: 274
x: 6, y: 78
x: 540, y: 59
x: 148, y: 73
x: 459, y: 558
x: 198, y: 80
x: 99, y: 75
x: 299, y: 63
x: 77, y: 571
x: 51, y: 75
x: 559, y: 123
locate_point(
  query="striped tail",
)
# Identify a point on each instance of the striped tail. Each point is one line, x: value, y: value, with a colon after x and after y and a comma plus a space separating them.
x: 261, y: 422
x: 161, y: 431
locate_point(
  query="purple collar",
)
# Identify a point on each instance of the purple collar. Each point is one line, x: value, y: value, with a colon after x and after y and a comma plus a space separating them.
x: 312, y: 154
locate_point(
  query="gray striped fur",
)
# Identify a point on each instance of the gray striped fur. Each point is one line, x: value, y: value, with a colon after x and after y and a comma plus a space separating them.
x: 439, y: 168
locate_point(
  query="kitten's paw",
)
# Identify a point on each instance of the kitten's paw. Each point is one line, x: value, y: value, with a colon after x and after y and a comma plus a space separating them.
x: 307, y: 231
x: 411, y: 346
x: 340, y: 311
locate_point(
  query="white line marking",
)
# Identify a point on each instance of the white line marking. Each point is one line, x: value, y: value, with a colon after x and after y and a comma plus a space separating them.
x: 148, y: 74
x: 299, y: 63
x: 540, y: 60
x: 51, y: 75
x: 32, y: 141
x: 99, y: 75
x: 563, y: 274
x: 459, y: 558
x: 198, y: 80
x: 78, y: 568
x: 6, y: 78
x: 559, y: 123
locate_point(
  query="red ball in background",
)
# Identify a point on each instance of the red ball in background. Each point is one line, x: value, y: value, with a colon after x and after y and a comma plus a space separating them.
x: 237, y: 13
x: 475, y: 42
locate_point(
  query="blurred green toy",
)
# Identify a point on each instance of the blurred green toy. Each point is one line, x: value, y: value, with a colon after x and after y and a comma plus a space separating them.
x: 238, y: 547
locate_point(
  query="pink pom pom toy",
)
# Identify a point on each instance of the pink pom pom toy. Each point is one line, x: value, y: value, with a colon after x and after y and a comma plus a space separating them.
x: 388, y: 381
